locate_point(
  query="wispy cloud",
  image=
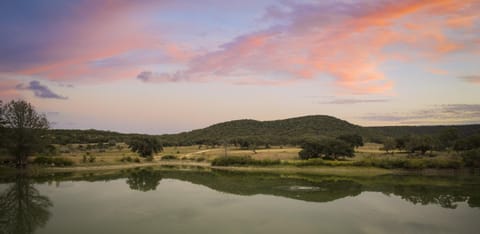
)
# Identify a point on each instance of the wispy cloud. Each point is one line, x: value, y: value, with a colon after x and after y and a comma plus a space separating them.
x: 40, y: 90
x: 475, y: 79
x: 353, y: 101
x: 441, y: 114
x: 343, y: 40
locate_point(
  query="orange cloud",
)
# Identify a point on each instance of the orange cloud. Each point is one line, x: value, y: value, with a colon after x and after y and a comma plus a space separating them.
x: 347, y: 43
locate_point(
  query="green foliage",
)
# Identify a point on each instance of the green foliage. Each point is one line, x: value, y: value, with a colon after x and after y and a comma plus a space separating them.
x: 401, y: 142
x: 354, y: 140
x: 250, y: 134
x: 88, y: 158
x: 421, y: 144
x: 447, y: 138
x: 335, y: 148
x: 242, y: 161
x: 319, y: 162
x: 410, y: 163
x: 326, y: 148
x: 21, y: 129
x: 53, y: 161
x: 145, y: 146
x: 169, y: 157
x: 126, y: 159
x: 389, y: 144
x: 468, y: 143
x: 471, y: 158
x: 311, y: 149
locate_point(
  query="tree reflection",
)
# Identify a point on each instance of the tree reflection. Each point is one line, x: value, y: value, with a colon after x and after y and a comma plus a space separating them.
x: 144, y: 180
x: 22, y: 207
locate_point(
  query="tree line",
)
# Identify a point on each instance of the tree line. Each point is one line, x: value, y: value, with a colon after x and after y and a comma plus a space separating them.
x: 24, y: 132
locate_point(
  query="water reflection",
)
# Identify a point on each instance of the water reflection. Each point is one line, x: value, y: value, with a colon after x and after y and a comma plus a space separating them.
x: 446, y: 192
x: 144, y: 179
x: 23, y: 208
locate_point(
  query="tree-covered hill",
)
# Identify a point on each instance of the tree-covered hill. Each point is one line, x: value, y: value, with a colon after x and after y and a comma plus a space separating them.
x: 286, y: 131
x: 276, y: 131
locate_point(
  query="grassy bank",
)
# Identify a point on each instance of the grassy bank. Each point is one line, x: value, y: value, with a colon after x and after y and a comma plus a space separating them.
x: 84, y: 157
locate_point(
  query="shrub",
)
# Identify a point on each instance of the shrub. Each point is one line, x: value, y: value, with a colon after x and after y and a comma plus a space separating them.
x: 242, y: 161
x: 55, y: 161
x: 200, y: 159
x: 413, y: 163
x: 471, y: 158
x: 89, y: 159
x: 92, y: 159
x: 169, y: 157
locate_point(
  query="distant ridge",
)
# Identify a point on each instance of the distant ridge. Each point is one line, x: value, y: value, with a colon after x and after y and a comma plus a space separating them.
x: 274, y: 131
x: 298, y: 128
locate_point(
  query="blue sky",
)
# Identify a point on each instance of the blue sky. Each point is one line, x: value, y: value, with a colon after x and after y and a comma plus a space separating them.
x: 170, y: 66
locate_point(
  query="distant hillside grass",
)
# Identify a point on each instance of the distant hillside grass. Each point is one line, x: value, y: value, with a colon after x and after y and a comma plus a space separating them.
x: 277, y: 132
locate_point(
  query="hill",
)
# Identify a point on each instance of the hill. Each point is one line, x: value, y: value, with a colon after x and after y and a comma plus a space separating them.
x: 284, y: 131
x: 276, y: 131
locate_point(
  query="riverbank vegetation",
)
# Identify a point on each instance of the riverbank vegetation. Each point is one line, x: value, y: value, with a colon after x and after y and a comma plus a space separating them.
x: 336, y: 143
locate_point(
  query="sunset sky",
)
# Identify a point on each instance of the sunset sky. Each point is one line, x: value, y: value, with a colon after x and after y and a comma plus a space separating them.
x: 169, y: 66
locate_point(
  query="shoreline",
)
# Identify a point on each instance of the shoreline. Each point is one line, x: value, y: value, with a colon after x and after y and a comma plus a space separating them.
x: 314, y: 170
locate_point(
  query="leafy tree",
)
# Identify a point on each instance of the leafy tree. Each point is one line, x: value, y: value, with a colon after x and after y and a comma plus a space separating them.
x: 389, y: 144
x: 22, y: 129
x: 354, y: 140
x: 311, y: 149
x: 446, y: 138
x: 467, y: 143
x: 334, y: 148
x: 145, y: 146
x: 325, y: 148
x: 401, y: 142
x: 419, y: 143
x: 471, y: 158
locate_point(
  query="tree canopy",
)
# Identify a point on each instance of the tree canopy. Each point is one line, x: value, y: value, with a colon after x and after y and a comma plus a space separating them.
x: 145, y: 146
x: 327, y: 148
x: 21, y: 130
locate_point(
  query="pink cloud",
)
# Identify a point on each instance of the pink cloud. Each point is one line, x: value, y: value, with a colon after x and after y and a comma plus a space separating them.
x: 344, y: 41
x: 8, y: 89
x: 105, y: 31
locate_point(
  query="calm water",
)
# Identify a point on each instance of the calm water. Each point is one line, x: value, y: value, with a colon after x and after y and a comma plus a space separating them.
x: 196, y: 201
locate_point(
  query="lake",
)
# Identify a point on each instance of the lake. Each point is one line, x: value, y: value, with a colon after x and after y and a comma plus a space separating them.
x: 196, y: 200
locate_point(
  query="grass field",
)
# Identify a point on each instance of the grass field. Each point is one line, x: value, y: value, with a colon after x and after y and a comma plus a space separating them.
x: 119, y: 155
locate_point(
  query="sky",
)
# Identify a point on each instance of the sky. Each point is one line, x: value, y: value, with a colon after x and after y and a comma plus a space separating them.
x: 159, y: 66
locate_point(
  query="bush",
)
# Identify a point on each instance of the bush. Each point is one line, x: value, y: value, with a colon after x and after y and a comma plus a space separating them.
x: 91, y: 159
x: 126, y: 159
x: 242, y: 161
x: 330, y: 148
x: 471, y: 158
x: 169, y: 157
x: 200, y: 159
x: 413, y: 163
x: 55, y: 161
